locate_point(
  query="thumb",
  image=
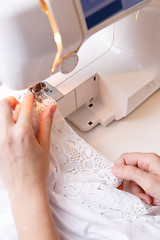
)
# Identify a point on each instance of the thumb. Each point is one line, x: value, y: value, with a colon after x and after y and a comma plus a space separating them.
x: 132, y: 173
x: 45, y: 125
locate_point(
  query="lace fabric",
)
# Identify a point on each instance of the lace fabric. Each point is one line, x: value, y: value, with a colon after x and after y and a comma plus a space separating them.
x: 80, y: 173
x: 84, y: 201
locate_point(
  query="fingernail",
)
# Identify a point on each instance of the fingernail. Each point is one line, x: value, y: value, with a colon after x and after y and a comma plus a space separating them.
x: 53, y: 109
x: 146, y: 201
x: 116, y: 169
x: 28, y: 93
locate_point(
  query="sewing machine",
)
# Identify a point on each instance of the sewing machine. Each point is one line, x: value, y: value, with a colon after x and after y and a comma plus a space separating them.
x: 103, y: 55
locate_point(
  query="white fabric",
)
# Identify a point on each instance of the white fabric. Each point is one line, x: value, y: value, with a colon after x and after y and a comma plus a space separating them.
x: 83, y: 196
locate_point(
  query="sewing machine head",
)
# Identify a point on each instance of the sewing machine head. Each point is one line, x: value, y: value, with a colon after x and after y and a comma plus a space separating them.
x: 34, y: 45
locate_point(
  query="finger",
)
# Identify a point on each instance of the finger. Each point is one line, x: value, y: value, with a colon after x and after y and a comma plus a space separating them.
x: 16, y: 112
x: 141, y: 160
x: 135, y: 188
x: 139, y: 192
x: 45, y: 126
x: 6, y: 106
x: 26, y: 108
x: 145, y: 198
x: 156, y: 202
x: 144, y: 179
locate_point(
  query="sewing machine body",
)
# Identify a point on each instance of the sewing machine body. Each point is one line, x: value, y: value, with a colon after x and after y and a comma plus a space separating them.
x: 30, y: 41
x: 118, y: 61
x: 118, y: 69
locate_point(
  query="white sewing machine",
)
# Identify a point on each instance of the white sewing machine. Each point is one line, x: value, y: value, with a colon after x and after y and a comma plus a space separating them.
x: 104, y: 57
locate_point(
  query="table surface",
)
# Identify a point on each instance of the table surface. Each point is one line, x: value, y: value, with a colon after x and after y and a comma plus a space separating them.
x: 138, y: 132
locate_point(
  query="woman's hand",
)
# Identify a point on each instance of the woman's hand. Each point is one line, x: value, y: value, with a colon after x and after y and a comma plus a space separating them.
x: 143, y: 172
x: 24, y: 167
x: 24, y: 157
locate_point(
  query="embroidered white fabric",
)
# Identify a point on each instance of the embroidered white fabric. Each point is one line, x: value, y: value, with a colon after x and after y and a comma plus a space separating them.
x: 84, y: 201
x: 83, y: 175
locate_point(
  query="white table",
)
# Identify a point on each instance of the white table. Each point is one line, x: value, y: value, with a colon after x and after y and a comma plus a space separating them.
x: 138, y: 132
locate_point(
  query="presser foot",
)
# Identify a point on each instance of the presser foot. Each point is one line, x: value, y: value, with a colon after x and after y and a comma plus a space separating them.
x: 43, y: 90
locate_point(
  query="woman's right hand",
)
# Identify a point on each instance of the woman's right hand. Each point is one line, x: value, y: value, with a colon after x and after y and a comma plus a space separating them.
x: 24, y: 167
x: 143, y: 172
x: 24, y: 157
